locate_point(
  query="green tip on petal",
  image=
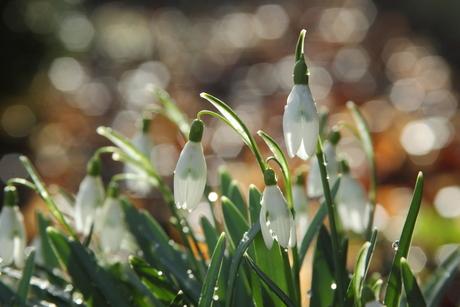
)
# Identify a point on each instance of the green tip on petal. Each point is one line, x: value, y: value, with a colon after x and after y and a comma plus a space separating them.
x: 196, y: 131
x: 269, y: 177
x: 10, y: 197
x: 94, y: 167
x: 301, y: 72
x: 345, y: 166
x: 334, y: 137
x: 146, y: 120
x: 112, y: 190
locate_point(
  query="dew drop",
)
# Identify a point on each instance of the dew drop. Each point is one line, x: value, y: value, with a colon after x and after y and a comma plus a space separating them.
x: 286, y: 250
x: 215, y: 297
x: 309, y: 292
x: 183, y: 222
x: 171, y: 242
x: 216, y: 288
x: 334, y: 286
x: 160, y: 273
x: 185, y: 230
x: 395, y: 245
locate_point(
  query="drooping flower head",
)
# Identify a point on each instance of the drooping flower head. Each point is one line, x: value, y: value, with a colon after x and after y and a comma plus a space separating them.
x: 141, y: 140
x: 276, y: 221
x: 12, y: 231
x: 190, y: 174
x: 89, y: 198
x: 112, y: 223
x: 300, y: 120
x: 351, y: 202
x: 314, y: 183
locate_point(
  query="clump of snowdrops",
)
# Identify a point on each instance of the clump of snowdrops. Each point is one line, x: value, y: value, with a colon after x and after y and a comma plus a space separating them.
x: 102, y: 251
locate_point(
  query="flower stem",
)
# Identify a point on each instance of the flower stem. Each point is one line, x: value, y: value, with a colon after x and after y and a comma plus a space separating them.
x: 336, y: 246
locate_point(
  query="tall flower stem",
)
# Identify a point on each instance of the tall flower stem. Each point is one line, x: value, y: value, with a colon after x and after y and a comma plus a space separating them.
x: 336, y: 246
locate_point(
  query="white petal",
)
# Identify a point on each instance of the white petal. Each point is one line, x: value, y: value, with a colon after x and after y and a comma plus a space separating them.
x: 190, y: 176
x: 7, y: 227
x: 351, y: 198
x: 278, y: 215
x: 300, y: 199
x: 314, y: 183
x: 20, y: 240
x: 112, y: 225
x: 90, y: 196
x: 268, y: 239
x: 301, y: 123
x: 142, y: 142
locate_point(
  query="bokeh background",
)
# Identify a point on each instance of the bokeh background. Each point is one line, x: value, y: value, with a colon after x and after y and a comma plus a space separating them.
x: 67, y: 67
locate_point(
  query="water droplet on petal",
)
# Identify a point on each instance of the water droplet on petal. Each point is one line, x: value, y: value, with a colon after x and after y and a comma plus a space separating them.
x: 395, y: 245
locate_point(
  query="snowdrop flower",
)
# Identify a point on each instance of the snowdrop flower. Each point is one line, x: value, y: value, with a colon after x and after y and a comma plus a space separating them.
x: 12, y: 231
x: 190, y: 173
x: 141, y: 140
x: 351, y: 202
x: 300, y: 120
x: 314, y: 184
x: 89, y: 198
x: 276, y: 221
x: 112, y: 222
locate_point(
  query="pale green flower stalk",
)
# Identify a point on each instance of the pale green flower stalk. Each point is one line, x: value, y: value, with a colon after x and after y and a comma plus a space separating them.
x: 351, y: 202
x: 314, y: 184
x: 300, y: 120
x: 374, y: 304
x: 12, y: 231
x: 112, y: 222
x: 191, y: 172
x: 89, y: 198
x: 141, y: 140
x: 276, y: 221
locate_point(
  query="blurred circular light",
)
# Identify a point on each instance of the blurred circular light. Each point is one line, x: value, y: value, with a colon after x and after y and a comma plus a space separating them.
x: 93, y: 98
x: 407, y: 95
x: 262, y: 78
x: 351, y: 63
x: 418, y: 138
x: 440, y: 103
x: 416, y: 259
x: 76, y: 32
x: 320, y: 82
x: 447, y: 202
x: 380, y: 115
x: 66, y: 74
x: 238, y: 30
x: 340, y: 25
x: 271, y: 21
x: 226, y: 143
x: 18, y: 120
x: 165, y: 159
x: 11, y: 167
x: 41, y: 16
x: 52, y: 161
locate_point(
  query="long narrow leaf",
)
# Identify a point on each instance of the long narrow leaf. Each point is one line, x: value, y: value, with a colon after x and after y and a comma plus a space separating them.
x: 234, y: 222
x: 414, y: 296
x: 210, y: 281
x: 273, y: 287
x: 437, y: 282
x: 360, y: 273
x: 45, y: 195
x: 172, y: 112
x: 394, y: 286
x: 24, y: 284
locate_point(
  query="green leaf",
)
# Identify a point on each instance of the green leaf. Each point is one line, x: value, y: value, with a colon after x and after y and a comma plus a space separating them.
x: 153, y: 280
x: 211, y: 234
x: 177, y: 302
x: 172, y: 112
x: 237, y: 198
x: 273, y: 287
x: 414, y: 296
x: 7, y: 296
x: 236, y: 124
x: 24, y: 284
x: 85, y: 272
x: 439, y: 279
x: 240, y: 251
x: 45, y: 195
x: 224, y: 181
x: 323, y: 271
x: 360, y: 273
x: 234, y: 222
x: 315, y: 224
x: 394, y: 286
x: 254, y: 198
x: 210, y: 281
x: 49, y: 257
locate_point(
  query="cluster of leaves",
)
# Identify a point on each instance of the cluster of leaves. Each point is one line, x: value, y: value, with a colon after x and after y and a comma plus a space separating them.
x: 231, y: 266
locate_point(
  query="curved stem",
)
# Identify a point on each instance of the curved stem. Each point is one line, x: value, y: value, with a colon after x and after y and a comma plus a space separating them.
x: 23, y: 182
